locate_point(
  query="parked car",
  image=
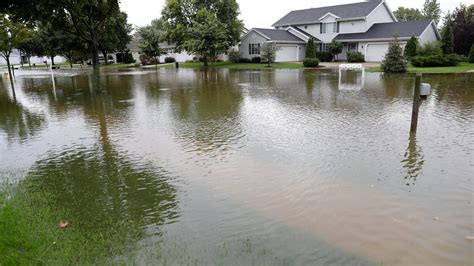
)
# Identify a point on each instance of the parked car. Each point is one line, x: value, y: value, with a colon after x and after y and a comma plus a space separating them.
x: 110, y: 60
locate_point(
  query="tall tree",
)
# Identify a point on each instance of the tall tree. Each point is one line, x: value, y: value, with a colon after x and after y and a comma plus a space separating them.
x: 432, y: 10
x: 463, y: 28
x: 208, y: 36
x: 117, y: 34
x: 151, y: 36
x: 185, y: 22
x: 12, y: 35
x: 51, y: 36
x: 408, y: 14
x: 447, y: 35
x: 88, y: 18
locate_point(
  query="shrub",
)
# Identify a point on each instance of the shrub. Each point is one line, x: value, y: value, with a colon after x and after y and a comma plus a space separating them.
x: 128, y: 58
x: 324, y: 56
x: 411, y: 48
x: 310, y: 49
x: 245, y: 60
x: 431, y: 48
x: 471, y: 55
x: 335, y: 48
x: 234, y: 56
x: 435, y: 60
x: 311, y: 62
x: 256, y: 59
x: 169, y: 60
x: 269, y: 53
x: 146, y: 60
x: 394, y: 61
x: 355, y: 57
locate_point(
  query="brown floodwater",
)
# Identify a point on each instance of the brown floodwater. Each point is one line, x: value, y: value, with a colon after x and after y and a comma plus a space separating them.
x: 271, y: 167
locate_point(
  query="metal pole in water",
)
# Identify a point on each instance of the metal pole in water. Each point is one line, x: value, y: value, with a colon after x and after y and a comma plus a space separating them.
x: 52, y: 79
x: 416, y: 104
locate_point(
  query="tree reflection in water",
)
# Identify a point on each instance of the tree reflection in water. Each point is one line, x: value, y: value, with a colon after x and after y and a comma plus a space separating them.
x: 16, y: 120
x: 100, y: 183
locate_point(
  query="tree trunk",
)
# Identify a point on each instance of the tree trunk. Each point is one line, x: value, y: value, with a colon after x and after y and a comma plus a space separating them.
x: 21, y: 59
x: 52, y: 60
x: 95, y: 62
x: 206, y: 60
x: 11, y: 76
x: 29, y: 61
x: 104, y: 53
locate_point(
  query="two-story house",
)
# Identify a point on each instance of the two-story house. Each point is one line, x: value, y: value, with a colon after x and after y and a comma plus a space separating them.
x: 367, y: 27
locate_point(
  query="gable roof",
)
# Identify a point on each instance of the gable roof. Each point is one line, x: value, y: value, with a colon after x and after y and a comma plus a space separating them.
x: 277, y: 35
x: 306, y: 33
x: 355, y: 10
x: 405, y: 29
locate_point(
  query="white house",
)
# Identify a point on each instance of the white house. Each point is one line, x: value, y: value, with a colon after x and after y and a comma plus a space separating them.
x: 16, y: 59
x: 366, y: 27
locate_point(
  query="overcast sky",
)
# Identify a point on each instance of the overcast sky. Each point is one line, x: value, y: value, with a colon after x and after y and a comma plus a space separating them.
x: 263, y: 13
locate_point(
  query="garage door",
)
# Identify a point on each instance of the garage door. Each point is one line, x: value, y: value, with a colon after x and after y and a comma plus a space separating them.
x: 376, y: 52
x: 287, y: 54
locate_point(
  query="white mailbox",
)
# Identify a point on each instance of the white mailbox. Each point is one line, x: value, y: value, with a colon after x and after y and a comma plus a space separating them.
x: 425, y: 89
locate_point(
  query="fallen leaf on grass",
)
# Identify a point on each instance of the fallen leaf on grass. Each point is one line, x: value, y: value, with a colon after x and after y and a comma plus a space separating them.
x: 63, y: 224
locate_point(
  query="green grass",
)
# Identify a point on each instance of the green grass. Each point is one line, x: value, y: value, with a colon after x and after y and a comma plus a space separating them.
x: 29, y: 235
x: 243, y: 65
x: 461, y: 68
x: 118, y: 65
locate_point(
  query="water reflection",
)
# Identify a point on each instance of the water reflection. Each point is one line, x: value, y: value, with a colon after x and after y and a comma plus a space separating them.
x: 286, y: 145
x: 351, y: 80
x: 16, y: 121
x: 413, y: 161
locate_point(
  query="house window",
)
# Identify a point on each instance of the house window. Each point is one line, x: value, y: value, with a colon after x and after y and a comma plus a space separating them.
x: 324, y: 47
x: 254, y: 48
x: 352, y: 47
x: 331, y: 27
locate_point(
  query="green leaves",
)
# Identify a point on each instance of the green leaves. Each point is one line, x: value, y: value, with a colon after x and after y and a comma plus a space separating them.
x: 205, y: 27
x: 12, y: 35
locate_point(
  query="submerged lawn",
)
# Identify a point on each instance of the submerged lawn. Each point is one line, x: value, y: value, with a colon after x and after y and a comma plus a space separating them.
x: 29, y: 232
x: 461, y: 68
x: 243, y: 65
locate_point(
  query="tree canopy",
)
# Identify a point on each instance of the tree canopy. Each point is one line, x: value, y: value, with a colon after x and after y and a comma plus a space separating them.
x: 205, y: 27
x: 408, y: 14
x: 432, y: 10
x: 151, y: 38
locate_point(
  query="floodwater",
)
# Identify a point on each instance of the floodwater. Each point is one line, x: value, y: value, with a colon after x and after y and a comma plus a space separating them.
x: 271, y: 167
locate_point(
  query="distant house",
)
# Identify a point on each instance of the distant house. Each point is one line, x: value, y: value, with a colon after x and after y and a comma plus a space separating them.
x: 366, y: 27
x: 16, y: 58
x: 169, y: 49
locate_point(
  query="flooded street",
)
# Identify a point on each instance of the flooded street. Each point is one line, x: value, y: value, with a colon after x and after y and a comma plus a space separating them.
x: 270, y: 167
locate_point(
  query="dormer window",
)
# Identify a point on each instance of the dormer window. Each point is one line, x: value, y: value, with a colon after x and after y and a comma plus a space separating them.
x: 330, y: 27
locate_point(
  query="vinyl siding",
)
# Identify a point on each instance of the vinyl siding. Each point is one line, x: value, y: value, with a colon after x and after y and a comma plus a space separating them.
x: 380, y: 15
x: 252, y: 37
x: 428, y: 36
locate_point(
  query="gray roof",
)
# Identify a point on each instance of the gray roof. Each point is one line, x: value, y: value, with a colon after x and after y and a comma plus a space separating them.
x: 355, y: 10
x: 404, y: 29
x: 278, y: 35
x: 307, y: 34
